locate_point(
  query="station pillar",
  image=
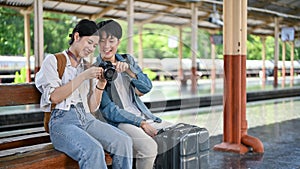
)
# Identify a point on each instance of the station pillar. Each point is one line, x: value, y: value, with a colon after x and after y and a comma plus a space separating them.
x: 38, y: 35
x: 235, y: 138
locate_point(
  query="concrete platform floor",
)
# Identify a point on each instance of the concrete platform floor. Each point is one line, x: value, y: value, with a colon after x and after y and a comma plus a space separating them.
x: 275, y: 122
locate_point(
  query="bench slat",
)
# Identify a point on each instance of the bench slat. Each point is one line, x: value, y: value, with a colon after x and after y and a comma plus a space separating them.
x: 19, y: 94
x: 20, y: 151
x: 21, y: 132
x: 39, y: 156
x: 22, y: 141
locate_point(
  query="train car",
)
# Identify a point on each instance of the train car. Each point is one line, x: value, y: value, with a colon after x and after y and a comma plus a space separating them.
x: 254, y: 68
x: 205, y: 66
x: 153, y: 64
x: 12, y: 64
x: 9, y: 65
x: 169, y: 67
x: 166, y: 68
x: 288, y: 65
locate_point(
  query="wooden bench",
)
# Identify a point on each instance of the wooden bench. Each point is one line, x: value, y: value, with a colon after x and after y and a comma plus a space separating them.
x: 29, y: 148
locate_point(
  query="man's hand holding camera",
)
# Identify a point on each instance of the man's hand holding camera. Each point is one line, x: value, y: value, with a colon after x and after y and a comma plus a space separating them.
x: 121, y: 66
x: 124, y: 67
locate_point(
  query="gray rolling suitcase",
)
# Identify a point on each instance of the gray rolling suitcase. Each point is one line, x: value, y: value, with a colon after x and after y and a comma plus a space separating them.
x: 182, y: 146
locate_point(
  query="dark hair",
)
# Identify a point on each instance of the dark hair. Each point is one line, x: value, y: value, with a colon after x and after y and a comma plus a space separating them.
x: 84, y: 27
x: 111, y: 28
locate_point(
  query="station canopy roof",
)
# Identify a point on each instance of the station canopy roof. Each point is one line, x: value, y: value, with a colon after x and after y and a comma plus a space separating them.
x: 261, y: 13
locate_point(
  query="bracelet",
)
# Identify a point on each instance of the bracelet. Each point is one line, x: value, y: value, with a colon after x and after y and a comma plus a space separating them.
x: 98, y: 88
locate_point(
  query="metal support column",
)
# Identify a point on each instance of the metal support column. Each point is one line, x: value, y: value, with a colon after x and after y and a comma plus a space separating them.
x: 38, y: 34
x: 194, y: 46
x: 292, y: 64
x: 141, y: 56
x: 235, y: 138
x: 276, y: 52
x: 263, y: 55
x: 283, y: 70
x: 130, y: 22
x: 27, y: 43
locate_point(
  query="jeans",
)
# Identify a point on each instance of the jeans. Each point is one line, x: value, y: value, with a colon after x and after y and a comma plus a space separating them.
x: 84, y: 138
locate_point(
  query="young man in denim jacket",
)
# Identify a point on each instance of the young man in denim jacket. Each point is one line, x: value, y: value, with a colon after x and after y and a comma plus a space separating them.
x: 121, y: 105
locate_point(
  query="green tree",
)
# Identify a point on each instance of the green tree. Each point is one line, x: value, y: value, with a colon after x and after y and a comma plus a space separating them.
x: 254, y: 48
x: 11, y: 32
x: 57, y: 27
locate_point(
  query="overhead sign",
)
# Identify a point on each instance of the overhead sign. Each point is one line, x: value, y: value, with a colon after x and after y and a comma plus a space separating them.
x: 173, y: 42
x: 287, y: 34
x: 297, y: 43
x: 216, y: 39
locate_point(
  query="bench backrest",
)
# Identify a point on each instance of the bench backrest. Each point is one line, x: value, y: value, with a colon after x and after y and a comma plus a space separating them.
x: 19, y: 94
x: 41, y: 152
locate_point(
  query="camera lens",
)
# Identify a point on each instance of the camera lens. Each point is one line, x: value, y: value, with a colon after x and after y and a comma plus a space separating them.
x: 109, y: 73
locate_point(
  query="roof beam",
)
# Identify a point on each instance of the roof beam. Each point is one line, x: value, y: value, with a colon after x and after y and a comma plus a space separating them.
x: 107, y: 9
x: 169, y: 9
x: 262, y: 11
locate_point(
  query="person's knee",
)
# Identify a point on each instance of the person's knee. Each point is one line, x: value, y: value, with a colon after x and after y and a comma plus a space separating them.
x: 94, y: 149
x: 127, y: 141
x: 93, y: 156
x: 123, y: 143
x: 150, y: 148
x: 97, y: 152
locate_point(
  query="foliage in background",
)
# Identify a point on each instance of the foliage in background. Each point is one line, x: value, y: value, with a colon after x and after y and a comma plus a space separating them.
x: 11, y: 32
x: 152, y: 75
x: 20, y: 77
x: 57, y: 27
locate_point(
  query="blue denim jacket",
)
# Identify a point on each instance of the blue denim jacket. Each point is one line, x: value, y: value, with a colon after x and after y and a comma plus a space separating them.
x: 111, y: 106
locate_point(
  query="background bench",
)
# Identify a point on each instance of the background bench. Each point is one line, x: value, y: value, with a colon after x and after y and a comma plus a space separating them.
x: 29, y: 147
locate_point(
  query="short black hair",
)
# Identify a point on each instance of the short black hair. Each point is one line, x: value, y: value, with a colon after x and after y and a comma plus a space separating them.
x: 111, y: 28
x: 84, y: 27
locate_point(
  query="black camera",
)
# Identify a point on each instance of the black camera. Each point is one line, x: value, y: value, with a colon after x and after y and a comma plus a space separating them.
x: 110, y: 73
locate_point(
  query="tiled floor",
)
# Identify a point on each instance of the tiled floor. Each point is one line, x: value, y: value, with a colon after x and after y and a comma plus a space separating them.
x: 281, y: 144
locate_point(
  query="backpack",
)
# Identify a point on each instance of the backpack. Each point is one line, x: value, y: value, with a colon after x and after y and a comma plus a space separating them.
x: 61, y: 65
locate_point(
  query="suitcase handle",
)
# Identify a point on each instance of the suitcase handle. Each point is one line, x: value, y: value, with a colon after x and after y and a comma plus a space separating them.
x: 178, y: 125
